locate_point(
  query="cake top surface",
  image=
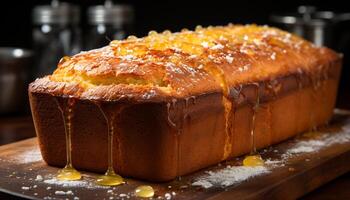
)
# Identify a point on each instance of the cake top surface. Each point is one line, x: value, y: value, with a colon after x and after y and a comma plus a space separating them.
x: 183, y: 64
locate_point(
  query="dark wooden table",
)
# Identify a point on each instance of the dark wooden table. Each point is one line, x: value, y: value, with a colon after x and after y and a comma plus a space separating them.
x: 15, y: 128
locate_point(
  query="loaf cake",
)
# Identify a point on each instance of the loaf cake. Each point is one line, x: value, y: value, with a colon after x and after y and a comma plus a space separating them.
x: 184, y: 101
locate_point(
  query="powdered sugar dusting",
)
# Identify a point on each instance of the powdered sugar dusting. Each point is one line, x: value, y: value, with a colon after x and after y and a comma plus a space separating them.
x: 301, y: 149
x: 310, y: 147
x: 229, y: 176
x: 30, y: 156
x: 274, y: 163
x: 229, y: 58
x: 79, y: 183
x: 306, y: 146
x: 59, y: 192
x: 71, y: 184
x: 314, y: 145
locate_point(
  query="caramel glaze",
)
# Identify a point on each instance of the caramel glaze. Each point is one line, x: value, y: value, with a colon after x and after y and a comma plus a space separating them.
x: 257, y: 93
x: 179, y: 108
x: 177, y: 130
x: 189, y: 101
x: 110, y: 178
x: 66, y: 108
x: 255, y: 106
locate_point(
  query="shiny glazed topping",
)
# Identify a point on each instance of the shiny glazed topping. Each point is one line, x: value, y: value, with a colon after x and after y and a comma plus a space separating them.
x: 185, y: 63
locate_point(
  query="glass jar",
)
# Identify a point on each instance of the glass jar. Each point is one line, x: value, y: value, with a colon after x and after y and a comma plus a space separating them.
x: 55, y: 34
x: 108, y: 22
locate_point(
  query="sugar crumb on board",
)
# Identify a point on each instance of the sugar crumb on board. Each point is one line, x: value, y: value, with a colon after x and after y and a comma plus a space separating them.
x: 25, y: 188
x: 228, y: 176
x: 60, y: 192
x: 231, y: 175
x: 39, y: 178
x: 28, y: 156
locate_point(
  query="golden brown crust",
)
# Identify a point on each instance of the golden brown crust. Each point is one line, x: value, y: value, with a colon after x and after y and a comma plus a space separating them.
x: 189, y: 63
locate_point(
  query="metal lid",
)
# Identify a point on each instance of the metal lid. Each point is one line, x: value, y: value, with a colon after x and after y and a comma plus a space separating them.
x: 56, y: 13
x: 306, y: 15
x: 14, y: 52
x: 115, y: 14
x: 324, y: 15
x: 287, y: 18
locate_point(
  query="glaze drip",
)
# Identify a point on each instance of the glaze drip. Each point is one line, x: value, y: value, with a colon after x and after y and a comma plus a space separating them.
x: 218, y: 74
x: 255, y: 108
x: 169, y: 107
x: 254, y: 159
x: 110, y: 178
x: 177, y: 125
x: 66, y: 109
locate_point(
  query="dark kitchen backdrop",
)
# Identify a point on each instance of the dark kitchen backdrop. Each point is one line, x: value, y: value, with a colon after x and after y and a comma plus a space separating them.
x: 16, y: 24
x: 19, y: 30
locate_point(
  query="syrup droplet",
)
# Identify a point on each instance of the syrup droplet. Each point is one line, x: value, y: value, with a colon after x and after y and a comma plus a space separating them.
x: 198, y: 28
x: 131, y: 37
x: 114, y: 43
x: 167, y: 32
x: 152, y: 33
x: 253, y: 161
x: 68, y: 173
x: 63, y: 60
x: 110, y: 179
x: 144, y: 191
x: 184, y: 30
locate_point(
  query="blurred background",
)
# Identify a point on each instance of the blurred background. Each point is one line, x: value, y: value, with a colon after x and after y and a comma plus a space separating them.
x: 35, y: 35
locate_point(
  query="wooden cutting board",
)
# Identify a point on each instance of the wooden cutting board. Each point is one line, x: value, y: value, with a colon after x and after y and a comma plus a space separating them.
x: 293, y: 168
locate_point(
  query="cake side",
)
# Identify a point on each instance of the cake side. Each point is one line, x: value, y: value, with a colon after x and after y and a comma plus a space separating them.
x: 150, y: 147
